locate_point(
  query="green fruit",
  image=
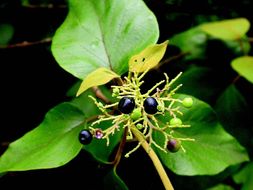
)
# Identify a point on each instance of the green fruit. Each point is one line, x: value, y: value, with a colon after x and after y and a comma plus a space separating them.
x: 176, y: 121
x: 187, y: 102
x: 173, y: 145
x: 136, y: 114
x: 115, y: 92
x: 139, y: 126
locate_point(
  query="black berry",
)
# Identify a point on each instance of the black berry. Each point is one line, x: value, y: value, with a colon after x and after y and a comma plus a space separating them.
x: 173, y: 145
x: 85, y: 137
x: 126, y: 105
x: 150, y: 105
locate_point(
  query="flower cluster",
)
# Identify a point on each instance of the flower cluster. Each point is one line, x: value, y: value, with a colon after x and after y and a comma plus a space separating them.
x: 142, y: 112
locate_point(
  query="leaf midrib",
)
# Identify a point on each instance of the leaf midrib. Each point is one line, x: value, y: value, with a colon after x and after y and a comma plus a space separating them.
x: 102, y: 37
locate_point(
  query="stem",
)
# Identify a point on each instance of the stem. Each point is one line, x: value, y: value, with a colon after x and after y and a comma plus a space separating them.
x: 250, y: 39
x: 47, y: 6
x: 99, y: 94
x: 236, y: 79
x: 157, y: 163
x: 120, y: 149
x: 173, y: 58
x: 25, y: 43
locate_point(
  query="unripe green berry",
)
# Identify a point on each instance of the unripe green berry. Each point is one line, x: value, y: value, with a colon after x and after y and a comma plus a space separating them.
x: 115, y: 92
x: 139, y: 126
x: 187, y: 102
x: 161, y: 106
x: 173, y: 145
x: 136, y: 114
x: 176, y: 121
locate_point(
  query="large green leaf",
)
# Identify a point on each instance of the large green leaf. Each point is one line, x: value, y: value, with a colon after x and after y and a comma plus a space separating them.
x: 103, y: 34
x: 244, y: 66
x: 234, y: 114
x: 52, y: 144
x: 245, y: 177
x: 86, y: 104
x: 192, y: 42
x: 197, y: 81
x: 221, y: 187
x: 213, y: 149
x: 230, y: 29
x: 6, y: 33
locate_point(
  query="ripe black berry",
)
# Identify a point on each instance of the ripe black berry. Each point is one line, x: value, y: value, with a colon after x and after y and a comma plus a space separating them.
x: 150, y: 105
x: 173, y: 145
x: 85, y: 137
x: 126, y: 105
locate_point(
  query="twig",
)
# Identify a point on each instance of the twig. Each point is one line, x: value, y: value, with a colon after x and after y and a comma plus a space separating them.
x: 45, y: 6
x: 4, y: 144
x: 25, y: 43
x: 92, y: 118
x: 236, y: 79
x: 99, y: 94
x: 175, y: 57
x: 120, y: 149
x: 250, y: 39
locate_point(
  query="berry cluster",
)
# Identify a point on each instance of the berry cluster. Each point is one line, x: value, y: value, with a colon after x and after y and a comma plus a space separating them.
x: 141, y: 112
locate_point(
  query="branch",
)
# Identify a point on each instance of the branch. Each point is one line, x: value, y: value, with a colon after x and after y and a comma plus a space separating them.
x: 157, y: 163
x: 47, y: 6
x: 99, y: 94
x: 250, y: 39
x: 25, y: 43
x: 236, y: 79
x: 175, y: 57
x: 120, y: 149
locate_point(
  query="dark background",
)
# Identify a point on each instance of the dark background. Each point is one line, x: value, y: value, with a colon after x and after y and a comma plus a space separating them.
x: 32, y: 83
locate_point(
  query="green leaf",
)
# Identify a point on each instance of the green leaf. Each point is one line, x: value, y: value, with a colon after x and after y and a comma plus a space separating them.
x: 6, y: 33
x: 113, y: 181
x: 245, y: 176
x: 192, y: 42
x: 84, y: 103
x: 87, y: 105
x: 238, y: 47
x: 52, y: 144
x: 25, y: 2
x: 230, y: 29
x: 233, y: 112
x: 201, y: 182
x: 213, y: 149
x: 98, y: 77
x: 221, y: 187
x: 103, y: 34
x: 244, y: 66
x: 197, y: 81
x: 148, y: 58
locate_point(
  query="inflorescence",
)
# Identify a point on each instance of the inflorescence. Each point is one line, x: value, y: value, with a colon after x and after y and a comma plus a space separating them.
x: 142, y: 112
